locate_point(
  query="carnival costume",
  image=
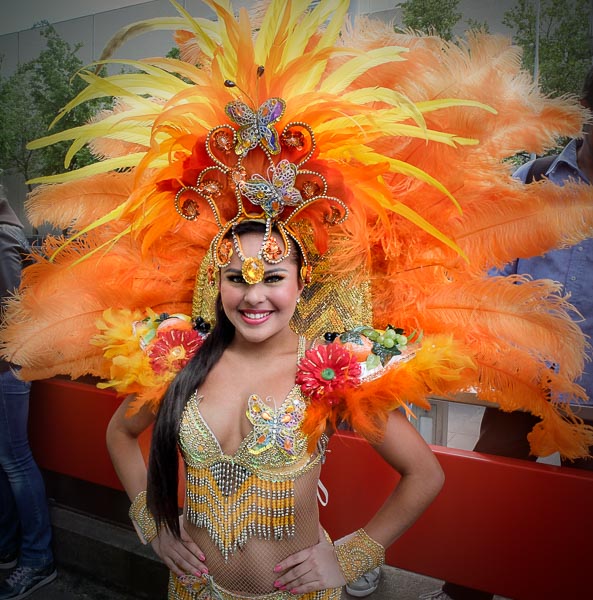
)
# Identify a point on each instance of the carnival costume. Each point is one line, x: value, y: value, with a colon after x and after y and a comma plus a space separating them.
x: 377, y: 156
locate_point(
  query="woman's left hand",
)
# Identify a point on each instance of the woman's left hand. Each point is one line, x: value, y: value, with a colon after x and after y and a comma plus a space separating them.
x: 310, y: 570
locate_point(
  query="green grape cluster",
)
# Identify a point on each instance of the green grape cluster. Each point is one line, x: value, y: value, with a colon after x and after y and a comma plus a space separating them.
x: 386, y: 344
x: 390, y: 338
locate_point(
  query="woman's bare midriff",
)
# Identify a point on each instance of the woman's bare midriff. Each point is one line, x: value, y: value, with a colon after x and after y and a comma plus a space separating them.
x: 250, y: 570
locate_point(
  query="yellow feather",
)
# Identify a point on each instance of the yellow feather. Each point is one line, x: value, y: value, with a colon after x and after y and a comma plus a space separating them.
x: 273, y: 17
x: 303, y: 30
x: 343, y: 76
x: 207, y: 34
x: 206, y: 29
x: 228, y: 59
x: 440, y: 103
x: 141, y: 27
x: 100, y: 88
x: 179, y: 67
x: 331, y: 35
x: 110, y: 164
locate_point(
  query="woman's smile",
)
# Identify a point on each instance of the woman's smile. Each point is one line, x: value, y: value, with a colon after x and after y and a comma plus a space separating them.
x: 255, y: 317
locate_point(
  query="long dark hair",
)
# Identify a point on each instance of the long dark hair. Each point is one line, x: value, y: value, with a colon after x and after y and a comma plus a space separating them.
x: 163, y: 465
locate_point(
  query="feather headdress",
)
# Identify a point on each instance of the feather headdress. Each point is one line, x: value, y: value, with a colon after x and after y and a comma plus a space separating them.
x: 407, y: 133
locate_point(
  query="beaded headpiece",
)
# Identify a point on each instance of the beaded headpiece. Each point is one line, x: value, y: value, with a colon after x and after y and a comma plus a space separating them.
x: 281, y: 193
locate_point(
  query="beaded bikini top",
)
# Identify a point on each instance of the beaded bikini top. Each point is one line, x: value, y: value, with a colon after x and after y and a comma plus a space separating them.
x: 274, y: 444
x: 251, y: 492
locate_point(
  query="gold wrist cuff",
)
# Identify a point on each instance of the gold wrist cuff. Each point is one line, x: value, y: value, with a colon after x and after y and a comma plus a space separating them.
x: 358, y: 555
x: 143, y: 521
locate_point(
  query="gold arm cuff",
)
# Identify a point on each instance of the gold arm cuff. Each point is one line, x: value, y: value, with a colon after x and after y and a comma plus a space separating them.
x: 358, y: 555
x: 143, y: 521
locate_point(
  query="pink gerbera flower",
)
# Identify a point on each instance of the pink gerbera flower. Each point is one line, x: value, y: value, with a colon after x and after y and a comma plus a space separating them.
x: 327, y: 368
x: 172, y: 349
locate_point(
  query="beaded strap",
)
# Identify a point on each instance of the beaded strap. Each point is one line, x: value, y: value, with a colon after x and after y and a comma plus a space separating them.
x: 143, y: 521
x: 358, y: 555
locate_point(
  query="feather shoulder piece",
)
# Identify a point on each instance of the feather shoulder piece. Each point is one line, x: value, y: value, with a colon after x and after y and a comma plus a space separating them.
x: 145, y: 351
x: 357, y: 377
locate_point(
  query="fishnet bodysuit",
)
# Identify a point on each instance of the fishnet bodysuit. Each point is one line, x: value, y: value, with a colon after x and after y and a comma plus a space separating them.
x: 224, y: 493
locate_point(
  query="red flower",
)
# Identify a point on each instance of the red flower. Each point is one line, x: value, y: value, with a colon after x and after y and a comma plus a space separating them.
x: 327, y: 368
x: 172, y: 349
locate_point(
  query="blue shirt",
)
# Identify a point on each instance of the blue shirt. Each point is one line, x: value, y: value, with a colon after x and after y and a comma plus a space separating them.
x: 572, y: 267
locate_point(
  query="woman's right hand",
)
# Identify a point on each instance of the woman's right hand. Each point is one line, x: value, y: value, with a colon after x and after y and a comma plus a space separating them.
x: 182, y: 556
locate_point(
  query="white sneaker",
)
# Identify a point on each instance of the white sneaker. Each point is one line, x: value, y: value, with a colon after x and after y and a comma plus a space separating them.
x: 365, y: 585
x: 436, y: 595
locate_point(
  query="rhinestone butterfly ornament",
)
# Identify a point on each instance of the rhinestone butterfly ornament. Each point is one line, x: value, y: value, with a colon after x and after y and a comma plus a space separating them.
x: 256, y: 127
x: 276, y: 428
x: 281, y: 192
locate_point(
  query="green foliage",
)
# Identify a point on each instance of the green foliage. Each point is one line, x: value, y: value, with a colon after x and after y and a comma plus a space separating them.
x: 565, y: 41
x: 18, y: 125
x: 174, y: 53
x: 431, y: 16
x: 29, y: 101
x: 473, y: 25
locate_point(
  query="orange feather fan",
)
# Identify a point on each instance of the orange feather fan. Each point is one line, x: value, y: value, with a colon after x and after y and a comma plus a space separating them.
x: 411, y: 134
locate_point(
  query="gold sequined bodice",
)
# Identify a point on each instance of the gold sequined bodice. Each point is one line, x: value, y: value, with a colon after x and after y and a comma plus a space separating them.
x: 251, y: 492
x: 274, y: 444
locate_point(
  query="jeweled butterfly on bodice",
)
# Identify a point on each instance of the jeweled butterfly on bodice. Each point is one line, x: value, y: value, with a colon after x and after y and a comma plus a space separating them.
x: 276, y: 428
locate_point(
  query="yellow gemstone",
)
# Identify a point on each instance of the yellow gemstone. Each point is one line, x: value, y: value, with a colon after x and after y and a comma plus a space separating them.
x: 253, y: 270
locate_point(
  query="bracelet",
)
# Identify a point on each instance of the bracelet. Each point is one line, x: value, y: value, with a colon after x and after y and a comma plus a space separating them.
x: 143, y: 521
x: 358, y: 555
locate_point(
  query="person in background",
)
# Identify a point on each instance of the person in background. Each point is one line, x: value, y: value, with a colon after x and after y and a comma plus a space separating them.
x: 25, y: 530
x: 504, y: 433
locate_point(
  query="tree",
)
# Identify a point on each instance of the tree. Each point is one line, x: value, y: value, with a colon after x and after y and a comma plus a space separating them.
x: 18, y: 125
x: 31, y: 98
x: 565, y: 41
x: 431, y: 16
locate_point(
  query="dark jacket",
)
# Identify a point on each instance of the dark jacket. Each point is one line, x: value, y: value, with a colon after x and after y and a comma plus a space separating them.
x: 13, y: 248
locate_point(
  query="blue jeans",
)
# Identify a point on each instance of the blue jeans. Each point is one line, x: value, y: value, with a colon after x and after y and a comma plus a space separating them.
x: 24, y: 515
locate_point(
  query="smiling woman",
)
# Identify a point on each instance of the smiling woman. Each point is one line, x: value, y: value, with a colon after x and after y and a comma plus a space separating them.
x: 290, y: 154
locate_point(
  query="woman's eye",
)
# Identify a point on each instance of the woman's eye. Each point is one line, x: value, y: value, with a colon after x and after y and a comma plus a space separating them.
x: 236, y: 279
x: 273, y: 279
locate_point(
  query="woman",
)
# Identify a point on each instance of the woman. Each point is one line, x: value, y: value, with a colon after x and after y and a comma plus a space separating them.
x: 297, y: 119
x: 253, y: 351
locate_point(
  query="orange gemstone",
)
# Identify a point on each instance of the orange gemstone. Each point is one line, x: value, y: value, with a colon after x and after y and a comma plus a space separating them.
x: 223, y: 140
x: 190, y: 210
x: 310, y: 189
x: 225, y: 251
x: 253, y: 270
x: 271, y: 250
